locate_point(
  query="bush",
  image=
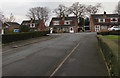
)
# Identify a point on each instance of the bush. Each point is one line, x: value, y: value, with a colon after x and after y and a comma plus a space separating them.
x: 7, y: 38
x: 109, y: 33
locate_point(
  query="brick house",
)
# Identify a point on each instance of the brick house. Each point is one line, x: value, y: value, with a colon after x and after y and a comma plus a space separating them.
x: 64, y: 24
x: 11, y: 27
x: 35, y: 25
x: 101, y: 22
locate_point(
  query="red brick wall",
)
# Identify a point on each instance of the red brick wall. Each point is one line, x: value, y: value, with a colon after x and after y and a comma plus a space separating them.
x: 41, y: 25
x: 118, y: 19
x: 61, y: 22
x: 96, y: 20
x: 92, y: 26
x: 71, y: 22
x: 107, y: 20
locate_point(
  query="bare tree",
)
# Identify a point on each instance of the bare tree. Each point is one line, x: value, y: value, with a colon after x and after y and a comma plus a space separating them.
x: 39, y: 13
x: 2, y: 18
x: 77, y: 9
x: 10, y: 19
x: 118, y: 8
x: 31, y: 13
x: 61, y: 10
x: 93, y: 9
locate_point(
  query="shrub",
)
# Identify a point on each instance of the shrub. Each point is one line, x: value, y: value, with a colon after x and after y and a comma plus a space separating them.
x: 7, y: 38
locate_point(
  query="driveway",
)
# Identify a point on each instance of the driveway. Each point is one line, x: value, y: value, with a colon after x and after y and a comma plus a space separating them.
x: 42, y: 58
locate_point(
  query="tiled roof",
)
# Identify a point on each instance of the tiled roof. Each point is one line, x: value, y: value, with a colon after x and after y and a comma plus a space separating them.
x: 104, y: 15
x: 65, y: 18
x: 12, y: 23
x: 30, y: 21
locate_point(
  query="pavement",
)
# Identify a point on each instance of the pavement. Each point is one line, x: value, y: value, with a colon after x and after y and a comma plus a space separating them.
x: 75, y: 54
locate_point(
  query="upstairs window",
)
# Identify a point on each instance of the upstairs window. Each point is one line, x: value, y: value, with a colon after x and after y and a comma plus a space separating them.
x: 96, y: 20
x: 114, y: 19
x: 67, y: 22
x: 56, y: 22
x: 101, y: 20
x: 32, y: 25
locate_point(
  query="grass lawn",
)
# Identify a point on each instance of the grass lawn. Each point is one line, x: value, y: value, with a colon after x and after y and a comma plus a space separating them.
x: 112, y: 36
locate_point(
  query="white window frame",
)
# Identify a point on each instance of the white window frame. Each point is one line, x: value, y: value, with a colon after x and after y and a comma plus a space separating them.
x: 113, y: 18
x: 97, y: 28
x: 56, y: 22
x: 30, y: 25
x: 67, y: 21
x: 101, y: 21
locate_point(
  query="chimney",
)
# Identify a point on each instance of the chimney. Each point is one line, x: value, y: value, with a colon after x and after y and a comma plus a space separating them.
x: 63, y: 17
x: 31, y: 19
x: 104, y: 12
x: 66, y: 15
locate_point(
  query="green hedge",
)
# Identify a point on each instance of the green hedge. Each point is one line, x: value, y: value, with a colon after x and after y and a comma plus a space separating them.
x: 7, y: 38
x: 109, y: 32
x: 110, y: 51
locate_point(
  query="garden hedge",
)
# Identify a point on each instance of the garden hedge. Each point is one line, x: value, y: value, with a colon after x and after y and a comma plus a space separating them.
x: 110, y: 51
x: 7, y: 38
x: 117, y: 32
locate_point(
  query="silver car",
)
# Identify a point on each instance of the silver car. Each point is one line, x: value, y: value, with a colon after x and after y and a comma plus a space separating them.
x: 114, y: 28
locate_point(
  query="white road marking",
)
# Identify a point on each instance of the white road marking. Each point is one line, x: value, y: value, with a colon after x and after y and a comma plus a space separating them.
x: 64, y: 60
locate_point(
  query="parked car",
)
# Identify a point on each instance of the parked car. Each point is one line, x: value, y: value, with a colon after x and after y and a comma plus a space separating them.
x: 114, y: 28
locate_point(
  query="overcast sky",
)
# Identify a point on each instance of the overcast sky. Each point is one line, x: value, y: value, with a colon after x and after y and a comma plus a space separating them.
x: 20, y: 7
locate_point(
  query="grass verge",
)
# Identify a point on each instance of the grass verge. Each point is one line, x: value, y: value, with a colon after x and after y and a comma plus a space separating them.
x: 111, y: 53
x: 112, y: 36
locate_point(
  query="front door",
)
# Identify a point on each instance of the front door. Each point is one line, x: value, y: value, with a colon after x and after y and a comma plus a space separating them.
x: 51, y: 30
x: 97, y: 28
x: 71, y: 30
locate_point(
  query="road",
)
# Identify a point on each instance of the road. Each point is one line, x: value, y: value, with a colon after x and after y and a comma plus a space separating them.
x: 42, y: 58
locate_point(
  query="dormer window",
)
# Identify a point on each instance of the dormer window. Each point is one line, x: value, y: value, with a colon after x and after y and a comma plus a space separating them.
x: 67, y: 22
x: 114, y: 19
x: 101, y: 20
x: 56, y: 22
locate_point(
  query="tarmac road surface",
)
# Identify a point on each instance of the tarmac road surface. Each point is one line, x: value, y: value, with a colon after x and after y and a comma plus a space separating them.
x: 42, y: 58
